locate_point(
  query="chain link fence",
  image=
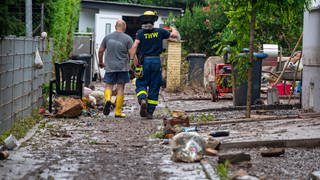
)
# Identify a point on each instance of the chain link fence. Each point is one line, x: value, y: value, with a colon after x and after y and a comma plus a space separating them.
x: 16, y: 14
x: 38, y: 18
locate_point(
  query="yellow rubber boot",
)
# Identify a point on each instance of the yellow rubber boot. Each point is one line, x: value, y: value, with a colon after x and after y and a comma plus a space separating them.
x: 107, y: 94
x: 107, y: 97
x: 118, y: 111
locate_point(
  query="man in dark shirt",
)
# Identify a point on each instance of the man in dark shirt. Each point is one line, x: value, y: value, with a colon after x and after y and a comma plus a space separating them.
x: 148, y: 46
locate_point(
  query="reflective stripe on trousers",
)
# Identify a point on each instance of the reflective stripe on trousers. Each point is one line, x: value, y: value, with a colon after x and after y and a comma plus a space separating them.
x: 150, y: 82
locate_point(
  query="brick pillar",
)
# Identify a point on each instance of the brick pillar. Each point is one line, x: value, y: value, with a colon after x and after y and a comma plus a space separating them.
x: 173, y: 65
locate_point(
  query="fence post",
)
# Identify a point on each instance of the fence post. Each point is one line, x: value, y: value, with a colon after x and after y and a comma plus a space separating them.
x: 28, y: 18
x: 42, y: 17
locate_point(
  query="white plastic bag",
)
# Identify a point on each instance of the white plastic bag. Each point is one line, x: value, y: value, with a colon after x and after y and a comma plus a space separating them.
x: 38, y: 61
x: 86, y: 91
x: 187, y: 147
x: 99, y: 95
x: 11, y: 142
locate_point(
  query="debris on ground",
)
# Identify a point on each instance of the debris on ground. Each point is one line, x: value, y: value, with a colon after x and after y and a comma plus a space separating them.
x: 190, y: 129
x: 261, y: 112
x: 41, y: 110
x: 99, y: 95
x: 239, y: 173
x: 11, y: 142
x: 4, y: 155
x: 234, y: 158
x: 242, y: 175
x: 178, y: 114
x: 173, y: 125
x: 187, y: 147
x: 211, y: 152
x: 213, y: 143
x: 68, y: 107
x: 219, y: 133
x: 246, y: 177
x: 62, y: 133
x: 272, y: 152
x: 92, y: 101
x: 86, y: 91
x: 124, y: 144
x: 90, y: 112
x: 315, y: 175
x: 168, y: 136
x: 309, y: 115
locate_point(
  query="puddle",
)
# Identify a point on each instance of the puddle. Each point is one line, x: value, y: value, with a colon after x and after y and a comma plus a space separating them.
x: 18, y: 164
x: 64, y: 169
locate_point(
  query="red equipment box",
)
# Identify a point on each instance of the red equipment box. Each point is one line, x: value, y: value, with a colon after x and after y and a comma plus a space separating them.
x: 223, y: 77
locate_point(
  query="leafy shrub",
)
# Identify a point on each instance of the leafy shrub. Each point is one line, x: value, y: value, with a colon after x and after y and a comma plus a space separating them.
x: 201, y: 28
x: 63, y: 19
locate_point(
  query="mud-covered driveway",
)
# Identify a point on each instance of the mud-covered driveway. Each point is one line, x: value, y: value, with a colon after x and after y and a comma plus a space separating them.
x: 111, y: 148
x: 97, y: 148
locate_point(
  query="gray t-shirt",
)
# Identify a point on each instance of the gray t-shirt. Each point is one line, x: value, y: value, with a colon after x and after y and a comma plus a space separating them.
x: 117, y: 45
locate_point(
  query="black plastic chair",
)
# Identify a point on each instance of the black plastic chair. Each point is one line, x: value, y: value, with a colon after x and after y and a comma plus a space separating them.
x: 68, y: 81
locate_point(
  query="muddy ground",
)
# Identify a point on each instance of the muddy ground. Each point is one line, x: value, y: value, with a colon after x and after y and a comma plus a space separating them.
x: 102, y: 147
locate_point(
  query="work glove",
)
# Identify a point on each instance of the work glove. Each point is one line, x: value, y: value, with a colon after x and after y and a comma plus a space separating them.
x: 138, y: 72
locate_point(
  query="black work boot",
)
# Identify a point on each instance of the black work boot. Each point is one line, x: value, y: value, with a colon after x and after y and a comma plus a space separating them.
x: 106, y: 109
x: 143, y: 108
x: 149, y: 115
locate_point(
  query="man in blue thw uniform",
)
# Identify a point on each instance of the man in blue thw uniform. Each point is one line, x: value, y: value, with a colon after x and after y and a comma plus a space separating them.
x: 148, y: 46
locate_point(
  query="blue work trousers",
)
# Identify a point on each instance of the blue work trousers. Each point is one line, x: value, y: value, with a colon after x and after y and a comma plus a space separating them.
x: 148, y: 86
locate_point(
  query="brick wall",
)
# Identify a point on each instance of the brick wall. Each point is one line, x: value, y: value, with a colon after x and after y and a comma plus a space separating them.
x: 173, y: 66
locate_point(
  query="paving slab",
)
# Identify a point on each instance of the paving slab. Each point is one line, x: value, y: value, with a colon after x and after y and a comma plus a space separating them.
x: 271, y: 133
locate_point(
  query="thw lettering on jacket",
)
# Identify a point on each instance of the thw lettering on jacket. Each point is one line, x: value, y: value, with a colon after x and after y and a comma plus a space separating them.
x: 151, y: 35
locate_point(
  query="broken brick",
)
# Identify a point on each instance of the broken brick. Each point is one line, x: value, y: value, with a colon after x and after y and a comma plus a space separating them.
x: 272, y: 152
x: 234, y: 158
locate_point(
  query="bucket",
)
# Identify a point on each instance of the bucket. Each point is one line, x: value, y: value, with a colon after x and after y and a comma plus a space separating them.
x: 282, y: 91
x: 272, y: 96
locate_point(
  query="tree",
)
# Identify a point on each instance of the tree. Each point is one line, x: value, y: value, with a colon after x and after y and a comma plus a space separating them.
x: 201, y: 28
x: 10, y: 18
x: 62, y: 19
x: 244, y: 21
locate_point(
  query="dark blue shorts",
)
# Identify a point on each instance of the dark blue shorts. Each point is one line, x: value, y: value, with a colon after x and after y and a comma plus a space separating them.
x: 116, y: 77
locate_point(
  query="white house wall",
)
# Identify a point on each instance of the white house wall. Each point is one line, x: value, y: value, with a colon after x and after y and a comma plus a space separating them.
x: 86, y: 19
x: 120, y: 14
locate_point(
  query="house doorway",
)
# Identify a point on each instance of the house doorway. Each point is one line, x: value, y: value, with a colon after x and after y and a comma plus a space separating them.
x: 133, y: 24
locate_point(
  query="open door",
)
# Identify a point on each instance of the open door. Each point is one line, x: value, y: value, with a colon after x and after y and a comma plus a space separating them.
x: 133, y: 25
x: 104, y: 24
